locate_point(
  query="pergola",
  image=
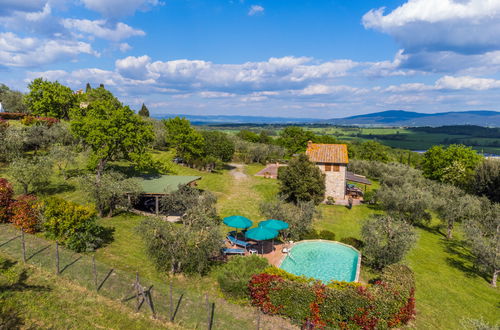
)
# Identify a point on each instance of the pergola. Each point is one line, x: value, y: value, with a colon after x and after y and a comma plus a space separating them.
x: 157, y: 186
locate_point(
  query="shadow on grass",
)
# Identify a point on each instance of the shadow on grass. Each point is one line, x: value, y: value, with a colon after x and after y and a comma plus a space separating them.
x: 38, y: 252
x: 52, y: 189
x: 20, y: 283
x: 10, y: 240
x: 461, y: 258
x: 70, y: 264
x: 105, y: 279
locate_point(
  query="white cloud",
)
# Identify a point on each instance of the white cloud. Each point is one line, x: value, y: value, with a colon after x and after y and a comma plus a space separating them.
x: 320, y: 89
x: 9, y: 6
x: 134, y: 67
x: 255, y: 9
x: 30, y: 52
x: 466, y: 27
x: 119, y: 8
x: 124, y: 47
x: 467, y: 82
x: 102, y: 29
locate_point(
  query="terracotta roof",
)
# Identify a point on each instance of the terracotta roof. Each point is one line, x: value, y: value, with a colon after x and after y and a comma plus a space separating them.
x: 327, y: 153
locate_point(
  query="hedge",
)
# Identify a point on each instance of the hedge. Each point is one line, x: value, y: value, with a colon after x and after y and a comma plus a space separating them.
x: 388, y: 302
x: 25, y: 213
x: 12, y: 115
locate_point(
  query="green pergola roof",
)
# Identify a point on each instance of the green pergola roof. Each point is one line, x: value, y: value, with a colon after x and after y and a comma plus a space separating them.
x: 164, y: 184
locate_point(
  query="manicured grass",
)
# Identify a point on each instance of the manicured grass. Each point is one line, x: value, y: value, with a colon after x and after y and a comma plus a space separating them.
x: 448, y: 288
x: 44, y: 300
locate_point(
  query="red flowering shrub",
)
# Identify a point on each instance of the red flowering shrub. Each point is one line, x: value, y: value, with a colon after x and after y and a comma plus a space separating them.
x: 31, y: 120
x: 6, y: 193
x: 389, y: 302
x: 25, y: 213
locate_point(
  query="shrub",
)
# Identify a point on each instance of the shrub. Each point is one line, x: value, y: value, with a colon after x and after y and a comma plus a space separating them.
x: 25, y: 213
x: 31, y: 120
x: 233, y: 277
x: 6, y: 193
x: 11, y: 115
x: 388, y: 303
x: 73, y: 225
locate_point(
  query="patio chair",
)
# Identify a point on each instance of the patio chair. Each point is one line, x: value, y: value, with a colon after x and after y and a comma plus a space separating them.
x: 234, y: 241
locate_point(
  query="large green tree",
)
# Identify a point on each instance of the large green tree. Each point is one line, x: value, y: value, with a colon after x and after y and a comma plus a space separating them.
x: 218, y: 145
x: 302, y: 181
x: 386, y: 240
x: 52, y: 99
x: 454, y: 164
x: 112, y: 131
x: 294, y: 139
x: 187, y: 142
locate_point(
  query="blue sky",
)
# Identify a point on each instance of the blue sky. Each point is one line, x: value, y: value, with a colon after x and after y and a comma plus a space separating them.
x: 314, y: 58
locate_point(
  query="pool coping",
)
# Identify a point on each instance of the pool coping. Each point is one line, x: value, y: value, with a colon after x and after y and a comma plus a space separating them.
x: 358, y: 267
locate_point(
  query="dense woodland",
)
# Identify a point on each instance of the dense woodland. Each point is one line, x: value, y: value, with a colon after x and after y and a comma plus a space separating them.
x: 92, y: 144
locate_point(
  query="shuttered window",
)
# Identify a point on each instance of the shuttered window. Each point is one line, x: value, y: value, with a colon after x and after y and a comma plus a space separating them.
x: 328, y: 167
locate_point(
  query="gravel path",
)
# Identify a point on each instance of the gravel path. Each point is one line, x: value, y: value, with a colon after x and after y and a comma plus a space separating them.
x: 237, y: 171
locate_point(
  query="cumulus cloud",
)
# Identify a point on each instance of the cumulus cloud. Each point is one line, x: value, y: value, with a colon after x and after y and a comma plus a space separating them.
x: 255, y: 9
x: 467, y: 82
x: 119, y: 8
x: 102, y: 29
x: 9, y: 6
x: 274, y: 74
x: 468, y: 27
x: 16, y: 51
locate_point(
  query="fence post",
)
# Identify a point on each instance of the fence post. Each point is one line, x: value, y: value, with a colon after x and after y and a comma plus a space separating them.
x: 150, y: 300
x: 57, y: 258
x: 94, y: 269
x: 209, y: 313
x: 171, y: 304
x: 23, y: 245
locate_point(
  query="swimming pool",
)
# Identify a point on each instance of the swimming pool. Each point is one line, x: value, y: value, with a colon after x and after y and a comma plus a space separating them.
x: 323, y: 260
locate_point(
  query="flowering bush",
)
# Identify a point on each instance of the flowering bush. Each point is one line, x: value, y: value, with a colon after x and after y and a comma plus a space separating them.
x: 389, y: 302
x: 31, y: 120
x: 25, y: 213
x: 73, y: 225
x: 6, y: 193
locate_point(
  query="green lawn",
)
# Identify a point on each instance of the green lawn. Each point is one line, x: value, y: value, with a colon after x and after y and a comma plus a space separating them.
x: 448, y: 289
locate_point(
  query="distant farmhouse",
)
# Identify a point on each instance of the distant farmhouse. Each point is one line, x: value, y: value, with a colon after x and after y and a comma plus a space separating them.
x: 332, y: 160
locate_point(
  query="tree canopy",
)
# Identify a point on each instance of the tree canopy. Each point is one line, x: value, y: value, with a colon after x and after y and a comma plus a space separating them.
x: 454, y: 164
x: 187, y: 142
x: 112, y: 131
x: 294, y: 139
x: 51, y: 99
x: 144, y: 111
x: 486, y: 180
x: 302, y: 181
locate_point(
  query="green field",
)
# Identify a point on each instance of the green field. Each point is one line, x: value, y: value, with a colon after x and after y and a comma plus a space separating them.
x: 403, y: 138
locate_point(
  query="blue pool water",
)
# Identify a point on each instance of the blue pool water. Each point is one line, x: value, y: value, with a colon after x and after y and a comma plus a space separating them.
x: 323, y: 260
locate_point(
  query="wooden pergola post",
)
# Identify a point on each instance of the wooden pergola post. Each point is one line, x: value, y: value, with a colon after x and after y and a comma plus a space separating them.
x: 157, y: 205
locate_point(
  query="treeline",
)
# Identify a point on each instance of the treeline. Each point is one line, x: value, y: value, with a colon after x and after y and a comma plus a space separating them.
x: 471, y: 130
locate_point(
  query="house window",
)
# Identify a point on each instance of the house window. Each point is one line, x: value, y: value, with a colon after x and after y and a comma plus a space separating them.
x: 328, y: 167
x: 335, y: 168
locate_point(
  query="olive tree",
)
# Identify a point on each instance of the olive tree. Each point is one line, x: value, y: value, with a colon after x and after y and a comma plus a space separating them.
x: 32, y: 174
x: 484, y: 238
x: 486, y: 180
x: 386, y: 240
x: 113, y: 191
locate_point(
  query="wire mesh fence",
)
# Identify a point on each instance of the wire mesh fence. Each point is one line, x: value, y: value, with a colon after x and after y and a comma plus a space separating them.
x: 162, y: 300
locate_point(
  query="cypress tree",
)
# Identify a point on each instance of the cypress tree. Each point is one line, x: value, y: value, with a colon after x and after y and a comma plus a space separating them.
x: 144, y: 111
x: 88, y: 88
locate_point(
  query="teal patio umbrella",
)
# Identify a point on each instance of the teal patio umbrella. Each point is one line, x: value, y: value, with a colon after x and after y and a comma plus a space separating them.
x: 274, y: 224
x: 261, y: 234
x: 238, y: 222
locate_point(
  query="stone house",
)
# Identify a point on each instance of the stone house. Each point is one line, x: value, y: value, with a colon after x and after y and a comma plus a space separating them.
x: 332, y: 160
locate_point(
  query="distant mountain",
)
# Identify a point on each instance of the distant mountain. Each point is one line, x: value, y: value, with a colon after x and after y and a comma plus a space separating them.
x: 201, y: 120
x: 408, y: 118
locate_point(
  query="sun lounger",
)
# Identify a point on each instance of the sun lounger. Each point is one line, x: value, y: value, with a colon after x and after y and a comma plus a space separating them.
x: 234, y: 241
x: 233, y: 251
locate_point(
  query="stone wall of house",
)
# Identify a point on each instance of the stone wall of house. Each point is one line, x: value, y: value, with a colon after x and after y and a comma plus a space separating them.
x: 334, y: 182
